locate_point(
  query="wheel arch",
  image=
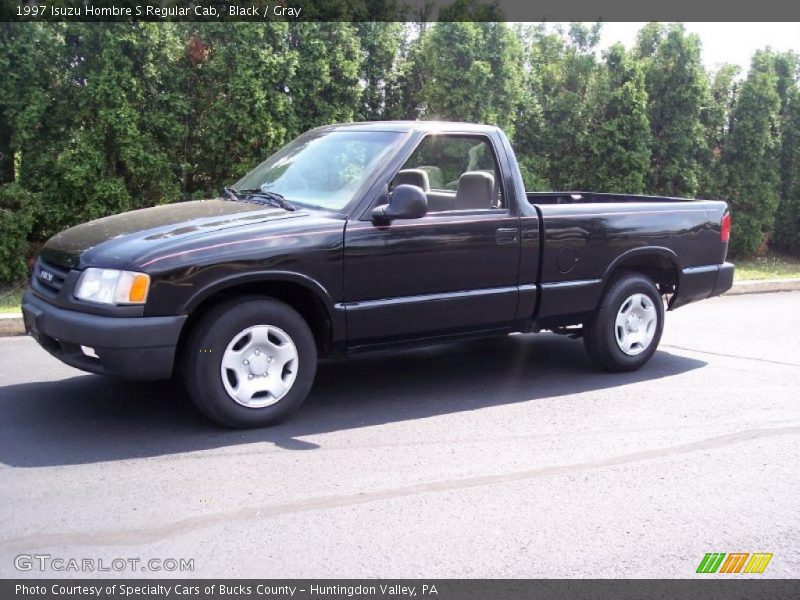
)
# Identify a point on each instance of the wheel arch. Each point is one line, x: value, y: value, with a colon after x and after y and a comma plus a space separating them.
x: 656, y: 262
x: 307, y: 296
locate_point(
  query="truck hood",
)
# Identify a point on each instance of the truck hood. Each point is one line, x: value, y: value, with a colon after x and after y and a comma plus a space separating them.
x: 118, y: 239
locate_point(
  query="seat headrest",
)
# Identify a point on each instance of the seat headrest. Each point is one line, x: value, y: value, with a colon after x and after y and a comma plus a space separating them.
x: 435, y: 176
x: 416, y: 177
x: 475, y: 190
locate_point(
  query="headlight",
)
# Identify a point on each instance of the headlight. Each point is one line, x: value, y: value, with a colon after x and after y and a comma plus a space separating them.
x: 110, y: 286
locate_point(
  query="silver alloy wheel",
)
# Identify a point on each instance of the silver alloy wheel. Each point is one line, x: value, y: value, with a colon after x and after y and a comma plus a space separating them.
x: 259, y: 366
x: 636, y: 324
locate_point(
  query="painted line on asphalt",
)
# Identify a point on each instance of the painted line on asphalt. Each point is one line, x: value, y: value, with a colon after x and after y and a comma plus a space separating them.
x: 722, y: 354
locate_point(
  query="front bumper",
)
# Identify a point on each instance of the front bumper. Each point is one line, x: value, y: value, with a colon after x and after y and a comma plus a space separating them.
x: 698, y: 283
x: 129, y: 347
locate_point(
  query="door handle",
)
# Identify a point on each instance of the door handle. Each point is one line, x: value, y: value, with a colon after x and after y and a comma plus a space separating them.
x: 507, y: 236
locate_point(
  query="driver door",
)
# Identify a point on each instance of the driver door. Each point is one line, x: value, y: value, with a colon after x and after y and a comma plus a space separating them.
x: 452, y: 271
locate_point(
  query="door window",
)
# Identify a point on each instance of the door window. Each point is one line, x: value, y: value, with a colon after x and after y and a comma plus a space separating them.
x: 455, y: 172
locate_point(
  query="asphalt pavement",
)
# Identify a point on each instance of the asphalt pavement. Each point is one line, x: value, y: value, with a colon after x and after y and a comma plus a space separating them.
x: 511, y: 457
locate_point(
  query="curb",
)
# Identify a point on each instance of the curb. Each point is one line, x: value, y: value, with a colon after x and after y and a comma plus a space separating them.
x: 11, y: 323
x: 763, y: 286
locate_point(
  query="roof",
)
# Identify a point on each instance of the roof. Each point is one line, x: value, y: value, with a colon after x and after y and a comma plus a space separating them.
x: 406, y: 126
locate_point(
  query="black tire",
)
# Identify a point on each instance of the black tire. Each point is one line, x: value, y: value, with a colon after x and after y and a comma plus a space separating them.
x: 202, y: 359
x: 599, y: 335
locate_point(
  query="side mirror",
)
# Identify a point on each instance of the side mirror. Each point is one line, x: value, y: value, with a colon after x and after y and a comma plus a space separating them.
x: 405, y: 202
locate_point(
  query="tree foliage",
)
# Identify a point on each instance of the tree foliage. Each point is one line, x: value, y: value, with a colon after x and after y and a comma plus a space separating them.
x: 716, y: 123
x: 560, y: 91
x: 677, y: 90
x: 232, y: 83
x: 97, y: 118
x: 619, y: 140
x: 381, y: 44
x: 787, y: 222
x: 751, y: 157
x: 471, y: 72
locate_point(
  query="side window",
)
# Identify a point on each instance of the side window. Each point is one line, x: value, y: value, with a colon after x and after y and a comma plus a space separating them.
x: 455, y: 172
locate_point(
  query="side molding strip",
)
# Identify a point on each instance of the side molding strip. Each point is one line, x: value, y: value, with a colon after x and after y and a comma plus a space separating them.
x: 367, y: 304
x: 576, y: 283
x: 701, y: 269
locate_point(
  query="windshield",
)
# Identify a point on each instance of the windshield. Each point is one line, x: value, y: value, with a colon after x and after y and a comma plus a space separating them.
x: 321, y: 169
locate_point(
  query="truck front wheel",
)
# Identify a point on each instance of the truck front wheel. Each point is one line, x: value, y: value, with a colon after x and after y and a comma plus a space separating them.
x: 249, y: 362
x: 624, y: 332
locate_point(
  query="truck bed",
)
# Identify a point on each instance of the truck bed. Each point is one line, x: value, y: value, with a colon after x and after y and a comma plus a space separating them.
x: 587, y: 235
x: 578, y: 197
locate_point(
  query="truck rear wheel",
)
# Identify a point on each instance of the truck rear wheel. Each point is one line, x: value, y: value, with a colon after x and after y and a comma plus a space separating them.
x: 626, y: 329
x: 249, y: 362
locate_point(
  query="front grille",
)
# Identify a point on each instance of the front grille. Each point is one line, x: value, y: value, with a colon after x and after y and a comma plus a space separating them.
x: 48, y: 278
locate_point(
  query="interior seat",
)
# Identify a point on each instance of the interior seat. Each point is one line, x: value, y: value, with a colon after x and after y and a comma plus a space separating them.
x: 475, y: 191
x: 416, y: 177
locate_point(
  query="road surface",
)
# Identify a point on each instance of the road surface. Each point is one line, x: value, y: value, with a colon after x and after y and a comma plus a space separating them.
x: 508, y: 457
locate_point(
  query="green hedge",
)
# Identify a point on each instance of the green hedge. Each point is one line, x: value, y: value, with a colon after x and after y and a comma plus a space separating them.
x: 17, y: 216
x: 101, y: 118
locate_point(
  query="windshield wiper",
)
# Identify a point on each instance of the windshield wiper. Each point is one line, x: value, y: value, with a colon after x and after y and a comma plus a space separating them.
x: 266, y: 197
x: 232, y: 194
x: 273, y: 198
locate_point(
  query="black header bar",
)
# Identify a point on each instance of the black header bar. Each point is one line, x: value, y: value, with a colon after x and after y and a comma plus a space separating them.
x: 397, y: 10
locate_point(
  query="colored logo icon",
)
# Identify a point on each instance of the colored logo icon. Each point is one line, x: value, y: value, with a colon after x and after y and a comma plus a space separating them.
x: 734, y: 562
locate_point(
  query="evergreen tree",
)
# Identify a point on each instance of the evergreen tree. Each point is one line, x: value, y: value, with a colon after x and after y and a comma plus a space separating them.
x: 787, y: 221
x: 716, y: 122
x: 325, y: 87
x: 28, y: 92
x: 472, y: 73
x: 531, y: 126
x: 563, y: 76
x: 619, y: 143
x: 97, y: 118
x: 751, y: 157
x: 380, y: 43
x: 235, y: 106
x: 677, y: 89
x: 404, y: 97
x: 98, y: 140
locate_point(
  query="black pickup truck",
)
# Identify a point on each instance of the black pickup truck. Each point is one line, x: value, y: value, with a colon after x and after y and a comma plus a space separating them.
x: 366, y: 236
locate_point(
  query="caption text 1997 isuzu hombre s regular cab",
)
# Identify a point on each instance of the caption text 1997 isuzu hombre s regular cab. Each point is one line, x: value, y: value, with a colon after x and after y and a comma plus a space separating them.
x: 365, y: 236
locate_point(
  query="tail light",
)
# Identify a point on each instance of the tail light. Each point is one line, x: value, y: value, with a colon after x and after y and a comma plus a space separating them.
x: 725, y: 228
